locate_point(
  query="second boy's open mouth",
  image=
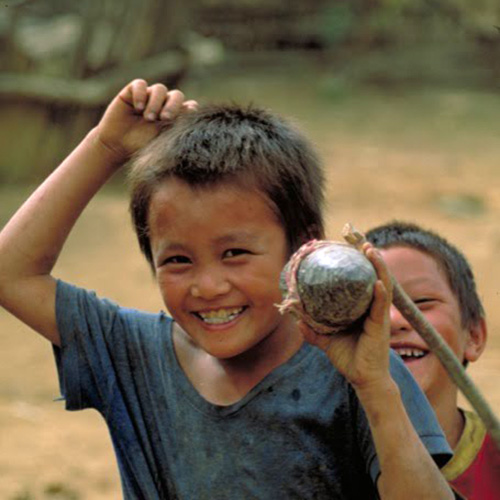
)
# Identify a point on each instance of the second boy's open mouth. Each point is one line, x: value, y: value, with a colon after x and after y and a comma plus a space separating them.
x: 409, y: 354
x: 220, y: 316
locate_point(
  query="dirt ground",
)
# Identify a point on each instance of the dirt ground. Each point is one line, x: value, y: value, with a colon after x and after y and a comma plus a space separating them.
x: 428, y: 155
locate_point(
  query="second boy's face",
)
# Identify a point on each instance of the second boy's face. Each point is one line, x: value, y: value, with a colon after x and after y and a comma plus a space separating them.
x: 218, y: 253
x: 425, y: 283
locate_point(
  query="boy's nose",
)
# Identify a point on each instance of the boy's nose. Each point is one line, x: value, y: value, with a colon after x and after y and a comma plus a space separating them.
x: 398, y: 322
x: 209, y: 285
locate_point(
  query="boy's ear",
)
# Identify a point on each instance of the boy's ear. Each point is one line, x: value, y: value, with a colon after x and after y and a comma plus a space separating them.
x: 476, y: 341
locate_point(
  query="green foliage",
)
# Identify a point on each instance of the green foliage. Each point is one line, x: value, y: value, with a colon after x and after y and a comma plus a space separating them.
x: 393, y: 21
x: 338, y: 22
x: 334, y: 87
x: 60, y: 491
x: 461, y: 204
x: 23, y: 495
x: 52, y: 491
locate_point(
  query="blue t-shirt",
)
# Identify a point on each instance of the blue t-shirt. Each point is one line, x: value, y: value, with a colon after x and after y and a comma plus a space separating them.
x: 299, y: 434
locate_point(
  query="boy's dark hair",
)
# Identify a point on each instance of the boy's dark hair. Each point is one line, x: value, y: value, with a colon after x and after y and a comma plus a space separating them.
x: 450, y: 260
x: 228, y: 143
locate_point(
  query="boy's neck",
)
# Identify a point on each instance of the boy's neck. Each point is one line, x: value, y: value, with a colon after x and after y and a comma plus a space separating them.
x: 226, y: 381
x: 451, y: 420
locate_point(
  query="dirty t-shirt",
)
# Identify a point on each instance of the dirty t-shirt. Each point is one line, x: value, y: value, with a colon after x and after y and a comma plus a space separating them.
x: 299, y: 434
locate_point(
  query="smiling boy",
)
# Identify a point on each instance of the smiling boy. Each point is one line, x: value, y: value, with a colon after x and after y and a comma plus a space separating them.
x: 224, y: 399
x: 224, y: 303
x: 438, y: 278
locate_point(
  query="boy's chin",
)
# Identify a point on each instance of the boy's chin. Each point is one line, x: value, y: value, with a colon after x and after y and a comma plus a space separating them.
x: 420, y: 368
x: 429, y: 373
x: 228, y: 352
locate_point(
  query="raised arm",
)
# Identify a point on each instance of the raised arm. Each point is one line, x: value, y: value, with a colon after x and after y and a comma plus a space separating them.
x: 407, y: 469
x: 32, y: 240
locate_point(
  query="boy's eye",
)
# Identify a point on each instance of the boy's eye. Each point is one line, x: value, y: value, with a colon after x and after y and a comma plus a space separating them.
x: 235, y: 252
x: 423, y: 301
x: 177, y: 259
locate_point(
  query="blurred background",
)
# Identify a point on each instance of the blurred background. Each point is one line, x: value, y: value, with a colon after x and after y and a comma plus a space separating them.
x: 400, y: 97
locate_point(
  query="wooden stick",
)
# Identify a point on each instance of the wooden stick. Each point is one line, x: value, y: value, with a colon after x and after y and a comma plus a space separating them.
x: 437, y: 345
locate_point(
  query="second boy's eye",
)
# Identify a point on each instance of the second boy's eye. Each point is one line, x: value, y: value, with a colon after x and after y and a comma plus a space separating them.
x: 423, y: 302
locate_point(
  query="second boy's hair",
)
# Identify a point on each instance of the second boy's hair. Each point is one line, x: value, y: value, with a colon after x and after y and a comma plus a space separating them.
x: 449, y: 259
x: 248, y: 146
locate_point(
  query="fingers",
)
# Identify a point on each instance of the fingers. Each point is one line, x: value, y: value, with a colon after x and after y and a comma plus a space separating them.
x: 380, y: 307
x: 382, y: 293
x: 163, y: 104
x: 156, y: 102
x: 135, y: 94
x: 374, y: 256
x: 190, y: 105
x: 309, y: 335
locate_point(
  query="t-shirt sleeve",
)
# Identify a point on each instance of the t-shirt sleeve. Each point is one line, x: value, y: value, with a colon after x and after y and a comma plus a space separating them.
x: 421, y: 415
x: 99, y: 343
x: 83, y: 360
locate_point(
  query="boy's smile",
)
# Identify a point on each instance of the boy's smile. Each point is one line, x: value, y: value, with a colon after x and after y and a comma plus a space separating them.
x: 220, y: 316
x: 426, y: 284
x: 218, y: 253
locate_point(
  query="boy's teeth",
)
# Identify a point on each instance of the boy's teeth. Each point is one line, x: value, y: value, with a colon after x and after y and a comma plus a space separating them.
x: 409, y: 352
x: 220, y: 315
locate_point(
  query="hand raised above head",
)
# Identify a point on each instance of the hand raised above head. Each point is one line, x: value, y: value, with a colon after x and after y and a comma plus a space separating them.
x: 136, y: 115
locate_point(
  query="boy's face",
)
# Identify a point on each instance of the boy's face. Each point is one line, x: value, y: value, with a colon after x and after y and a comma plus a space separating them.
x: 218, y: 253
x: 426, y: 284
